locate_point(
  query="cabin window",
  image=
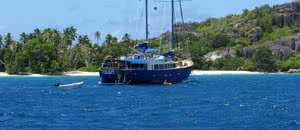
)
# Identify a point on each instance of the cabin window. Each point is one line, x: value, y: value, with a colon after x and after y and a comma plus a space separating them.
x: 159, y: 67
x: 166, y: 66
x: 156, y: 67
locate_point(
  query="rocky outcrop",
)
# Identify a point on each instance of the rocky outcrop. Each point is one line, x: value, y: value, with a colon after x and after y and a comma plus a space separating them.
x: 294, y: 71
x: 236, y: 26
x: 220, y: 53
x: 237, y: 42
x: 280, y: 52
x: 182, y: 29
x: 287, y: 14
x: 282, y: 49
x: 292, y: 42
x: 248, y: 52
x: 233, y: 35
x: 255, y: 34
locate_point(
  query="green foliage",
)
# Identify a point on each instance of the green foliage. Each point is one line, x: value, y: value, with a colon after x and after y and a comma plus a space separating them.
x: 227, y: 63
x: 249, y: 66
x: 2, y: 54
x: 262, y: 11
x: 9, y: 59
x: 54, y: 67
x: 8, y: 40
x: 245, y: 13
x: 257, y: 13
x: 93, y: 68
x: 277, y: 34
x: 265, y: 23
x: 97, y: 36
x: 49, y: 50
x: 264, y: 59
x: 39, y: 55
x: 220, y: 40
x: 197, y: 53
x: 292, y: 63
x: 237, y: 48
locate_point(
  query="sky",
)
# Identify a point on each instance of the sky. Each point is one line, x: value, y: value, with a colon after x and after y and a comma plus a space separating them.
x: 115, y: 17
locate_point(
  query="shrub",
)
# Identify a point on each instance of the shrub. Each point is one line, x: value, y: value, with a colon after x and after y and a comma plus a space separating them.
x: 292, y: 63
x: 227, y: 63
x: 237, y: 48
x: 277, y: 34
x: 220, y: 40
x: 264, y: 59
x: 249, y: 66
x: 93, y: 68
x: 265, y: 23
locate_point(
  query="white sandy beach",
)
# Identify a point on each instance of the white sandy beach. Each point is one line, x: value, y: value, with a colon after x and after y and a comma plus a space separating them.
x: 218, y: 72
x: 73, y: 73
x: 195, y: 72
x: 77, y: 73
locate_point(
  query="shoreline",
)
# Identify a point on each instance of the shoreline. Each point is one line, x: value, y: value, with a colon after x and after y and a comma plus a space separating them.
x: 194, y: 73
x: 220, y: 72
x: 71, y: 74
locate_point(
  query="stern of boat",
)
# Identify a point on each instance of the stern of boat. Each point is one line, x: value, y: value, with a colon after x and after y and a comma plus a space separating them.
x: 112, y: 76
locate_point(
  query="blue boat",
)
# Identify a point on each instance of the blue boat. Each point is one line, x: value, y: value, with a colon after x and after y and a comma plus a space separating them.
x: 147, y: 67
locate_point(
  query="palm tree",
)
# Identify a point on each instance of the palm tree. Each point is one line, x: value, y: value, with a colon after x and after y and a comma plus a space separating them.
x: 8, y: 40
x: 84, y: 40
x: 97, y: 36
x: 69, y: 35
x: 37, y: 32
x: 23, y: 38
x: 126, y: 38
x: 1, y: 42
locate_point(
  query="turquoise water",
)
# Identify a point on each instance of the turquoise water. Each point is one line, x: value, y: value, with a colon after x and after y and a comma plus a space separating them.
x: 202, y: 102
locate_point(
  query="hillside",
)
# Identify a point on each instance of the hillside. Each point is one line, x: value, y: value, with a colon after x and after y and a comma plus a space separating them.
x: 263, y: 39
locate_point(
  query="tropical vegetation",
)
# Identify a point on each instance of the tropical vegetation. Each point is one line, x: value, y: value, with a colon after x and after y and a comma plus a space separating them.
x: 51, y: 51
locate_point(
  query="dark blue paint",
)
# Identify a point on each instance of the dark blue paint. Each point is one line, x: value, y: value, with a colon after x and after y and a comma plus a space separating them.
x: 202, y: 102
x: 147, y: 76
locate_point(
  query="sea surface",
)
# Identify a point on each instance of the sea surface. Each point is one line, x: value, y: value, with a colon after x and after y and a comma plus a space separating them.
x: 201, y: 102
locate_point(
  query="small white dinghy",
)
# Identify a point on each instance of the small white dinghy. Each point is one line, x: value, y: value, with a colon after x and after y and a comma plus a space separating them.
x: 69, y: 85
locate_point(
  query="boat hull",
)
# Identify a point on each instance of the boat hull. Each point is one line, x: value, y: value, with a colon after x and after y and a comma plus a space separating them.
x: 145, y: 76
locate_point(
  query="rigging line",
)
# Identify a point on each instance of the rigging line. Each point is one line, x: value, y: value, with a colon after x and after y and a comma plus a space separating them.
x: 182, y: 20
x: 139, y: 22
x: 164, y: 10
x: 176, y: 26
x: 172, y: 38
x: 162, y: 28
x: 136, y: 23
x: 147, y: 24
x: 184, y: 27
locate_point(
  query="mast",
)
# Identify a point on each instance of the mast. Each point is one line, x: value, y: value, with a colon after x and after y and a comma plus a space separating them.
x: 172, y: 25
x: 147, y: 32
